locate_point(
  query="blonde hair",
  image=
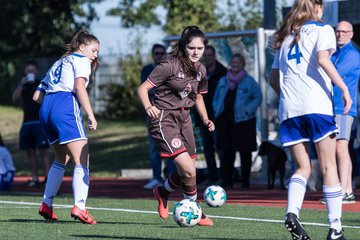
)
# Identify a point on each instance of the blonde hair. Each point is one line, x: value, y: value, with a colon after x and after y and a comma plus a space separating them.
x: 301, y: 12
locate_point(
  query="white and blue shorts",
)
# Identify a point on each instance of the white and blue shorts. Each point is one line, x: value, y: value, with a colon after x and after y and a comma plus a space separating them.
x: 305, y: 128
x: 61, y: 118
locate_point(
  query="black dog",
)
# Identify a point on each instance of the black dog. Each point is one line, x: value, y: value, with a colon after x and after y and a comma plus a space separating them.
x: 276, y: 161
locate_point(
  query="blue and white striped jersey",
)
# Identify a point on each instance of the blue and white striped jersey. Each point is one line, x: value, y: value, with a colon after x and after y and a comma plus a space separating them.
x: 61, y: 76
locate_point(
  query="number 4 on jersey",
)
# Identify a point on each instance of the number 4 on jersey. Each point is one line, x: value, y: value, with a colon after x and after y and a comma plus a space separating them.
x: 294, y: 53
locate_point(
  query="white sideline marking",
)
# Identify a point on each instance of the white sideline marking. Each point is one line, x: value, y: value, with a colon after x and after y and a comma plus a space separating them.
x: 154, y: 212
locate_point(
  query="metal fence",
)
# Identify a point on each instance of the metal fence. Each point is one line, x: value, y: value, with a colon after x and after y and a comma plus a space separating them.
x: 254, y: 45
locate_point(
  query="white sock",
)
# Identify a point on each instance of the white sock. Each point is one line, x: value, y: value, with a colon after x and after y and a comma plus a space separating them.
x: 81, y: 181
x: 296, y: 193
x: 53, y: 183
x: 191, y: 197
x: 333, y: 198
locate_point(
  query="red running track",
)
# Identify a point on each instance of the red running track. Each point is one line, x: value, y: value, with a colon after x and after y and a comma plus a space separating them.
x: 257, y: 195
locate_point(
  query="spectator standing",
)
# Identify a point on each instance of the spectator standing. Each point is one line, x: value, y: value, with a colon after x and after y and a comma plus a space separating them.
x: 236, y: 99
x: 214, y: 71
x: 31, y: 134
x: 61, y: 94
x: 347, y: 62
x: 157, y: 52
x: 302, y: 75
x: 180, y: 81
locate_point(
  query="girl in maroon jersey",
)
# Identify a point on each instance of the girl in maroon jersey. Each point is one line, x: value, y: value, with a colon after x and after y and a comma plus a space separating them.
x: 179, y: 79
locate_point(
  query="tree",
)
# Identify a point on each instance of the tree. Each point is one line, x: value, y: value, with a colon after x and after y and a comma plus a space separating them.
x: 122, y: 100
x: 179, y: 14
x: 37, y: 29
x: 241, y: 15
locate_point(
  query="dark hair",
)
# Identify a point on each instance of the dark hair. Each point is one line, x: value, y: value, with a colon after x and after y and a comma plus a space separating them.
x: 241, y: 58
x: 179, y: 51
x: 211, y: 48
x: 82, y: 37
x: 157, y: 45
x: 32, y: 62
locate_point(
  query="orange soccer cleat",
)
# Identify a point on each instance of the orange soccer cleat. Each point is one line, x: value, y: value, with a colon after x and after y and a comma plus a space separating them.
x: 163, y: 208
x: 47, y: 212
x: 83, y: 215
x: 205, y: 221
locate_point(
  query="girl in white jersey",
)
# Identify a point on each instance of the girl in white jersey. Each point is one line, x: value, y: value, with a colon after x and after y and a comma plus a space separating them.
x: 301, y: 75
x: 61, y: 94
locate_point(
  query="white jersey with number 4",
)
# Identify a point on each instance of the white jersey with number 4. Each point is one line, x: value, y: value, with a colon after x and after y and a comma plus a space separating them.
x: 61, y: 76
x: 305, y: 87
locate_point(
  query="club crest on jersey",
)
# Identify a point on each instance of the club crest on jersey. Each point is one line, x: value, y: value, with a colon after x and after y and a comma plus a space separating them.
x: 181, y: 75
x: 176, y: 143
x: 186, y: 91
x: 198, y: 76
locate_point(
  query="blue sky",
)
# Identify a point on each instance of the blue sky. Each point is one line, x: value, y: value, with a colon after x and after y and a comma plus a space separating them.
x: 117, y: 40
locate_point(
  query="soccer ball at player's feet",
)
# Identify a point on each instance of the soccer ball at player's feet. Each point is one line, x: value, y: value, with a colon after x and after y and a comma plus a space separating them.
x: 215, y: 196
x: 187, y: 213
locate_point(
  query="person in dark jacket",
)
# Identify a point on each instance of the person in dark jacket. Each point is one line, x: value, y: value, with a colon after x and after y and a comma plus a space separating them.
x: 214, y: 71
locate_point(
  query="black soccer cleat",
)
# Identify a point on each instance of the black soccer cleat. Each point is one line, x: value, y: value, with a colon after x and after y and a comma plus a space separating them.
x: 293, y: 225
x: 333, y: 234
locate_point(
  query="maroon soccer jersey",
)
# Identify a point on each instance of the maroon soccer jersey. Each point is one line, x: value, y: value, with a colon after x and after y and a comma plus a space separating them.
x: 175, y: 89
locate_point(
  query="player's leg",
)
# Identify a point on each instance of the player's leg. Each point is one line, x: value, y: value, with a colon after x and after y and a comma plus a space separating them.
x: 296, y: 191
x: 186, y: 167
x: 79, y: 152
x: 54, y: 180
x: 325, y: 144
x: 331, y: 188
x: 293, y: 133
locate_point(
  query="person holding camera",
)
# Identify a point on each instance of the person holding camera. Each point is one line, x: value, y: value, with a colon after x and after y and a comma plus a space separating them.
x: 31, y: 134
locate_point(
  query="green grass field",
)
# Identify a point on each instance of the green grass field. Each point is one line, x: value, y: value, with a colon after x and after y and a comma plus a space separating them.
x: 112, y: 146
x: 137, y: 219
x: 117, y: 145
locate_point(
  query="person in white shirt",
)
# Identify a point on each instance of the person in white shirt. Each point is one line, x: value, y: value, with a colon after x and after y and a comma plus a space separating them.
x: 302, y: 75
x: 61, y: 94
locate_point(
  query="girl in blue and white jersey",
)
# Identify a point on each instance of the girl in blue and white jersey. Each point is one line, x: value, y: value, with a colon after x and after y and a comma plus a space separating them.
x: 61, y: 94
x: 302, y: 76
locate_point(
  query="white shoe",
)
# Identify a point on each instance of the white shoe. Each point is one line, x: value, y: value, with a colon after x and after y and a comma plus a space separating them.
x: 152, y: 184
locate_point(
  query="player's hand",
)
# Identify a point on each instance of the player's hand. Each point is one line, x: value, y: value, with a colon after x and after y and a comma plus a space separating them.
x: 209, y: 124
x: 152, y: 111
x: 92, y: 123
x: 347, y: 102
